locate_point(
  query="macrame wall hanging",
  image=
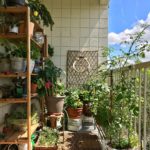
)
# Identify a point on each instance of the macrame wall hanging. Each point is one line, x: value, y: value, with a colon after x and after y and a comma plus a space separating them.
x: 80, y: 65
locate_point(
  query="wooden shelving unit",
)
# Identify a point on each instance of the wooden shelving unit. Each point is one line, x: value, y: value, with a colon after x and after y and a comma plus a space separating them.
x: 22, y: 137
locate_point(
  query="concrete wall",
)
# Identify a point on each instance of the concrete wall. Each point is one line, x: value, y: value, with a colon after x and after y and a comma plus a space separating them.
x: 79, y: 25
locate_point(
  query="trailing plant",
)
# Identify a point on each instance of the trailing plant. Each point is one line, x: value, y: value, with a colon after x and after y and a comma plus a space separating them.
x: 50, y: 50
x: 40, y: 13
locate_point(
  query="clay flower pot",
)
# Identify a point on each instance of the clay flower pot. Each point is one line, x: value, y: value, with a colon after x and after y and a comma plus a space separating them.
x: 74, y: 113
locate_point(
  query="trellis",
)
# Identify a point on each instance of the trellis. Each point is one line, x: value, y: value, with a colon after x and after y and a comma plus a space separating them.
x: 80, y: 65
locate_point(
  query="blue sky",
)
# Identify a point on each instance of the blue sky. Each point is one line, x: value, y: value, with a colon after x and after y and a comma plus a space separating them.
x: 125, y: 13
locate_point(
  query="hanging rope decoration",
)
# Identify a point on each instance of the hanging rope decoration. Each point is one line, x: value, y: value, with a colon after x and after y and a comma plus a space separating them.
x: 81, y: 64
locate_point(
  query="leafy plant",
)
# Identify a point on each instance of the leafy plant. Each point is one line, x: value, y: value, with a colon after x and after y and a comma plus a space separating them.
x: 49, y: 83
x: 48, y: 137
x: 19, y: 50
x: 40, y: 12
x: 35, y: 52
x: 72, y: 99
x: 50, y: 50
x: 116, y: 104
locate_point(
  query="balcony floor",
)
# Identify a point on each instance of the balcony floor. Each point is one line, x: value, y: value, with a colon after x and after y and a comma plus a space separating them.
x: 80, y: 141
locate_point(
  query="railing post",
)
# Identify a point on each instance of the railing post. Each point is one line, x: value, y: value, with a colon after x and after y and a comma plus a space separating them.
x: 145, y: 108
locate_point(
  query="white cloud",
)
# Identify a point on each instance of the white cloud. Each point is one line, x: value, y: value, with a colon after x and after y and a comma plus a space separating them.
x: 117, y: 38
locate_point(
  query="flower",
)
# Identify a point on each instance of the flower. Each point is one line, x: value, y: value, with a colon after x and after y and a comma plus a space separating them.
x: 48, y: 84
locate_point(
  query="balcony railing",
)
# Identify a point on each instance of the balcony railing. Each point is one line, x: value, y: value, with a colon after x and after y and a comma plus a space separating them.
x: 142, y: 124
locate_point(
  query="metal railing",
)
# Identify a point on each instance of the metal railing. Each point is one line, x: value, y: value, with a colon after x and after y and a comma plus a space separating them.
x: 142, y: 124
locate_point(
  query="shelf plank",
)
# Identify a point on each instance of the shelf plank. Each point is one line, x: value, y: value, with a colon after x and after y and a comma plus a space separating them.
x: 18, y: 137
x: 13, y: 100
x: 33, y: 128
x: 37, y: 44
x: 12, y: 36
x: 14, y: 9
x: 12, y: 75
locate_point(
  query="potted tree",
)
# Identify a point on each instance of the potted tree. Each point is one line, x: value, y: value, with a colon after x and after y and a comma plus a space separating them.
x: 73, y: 104
x: 48, y: 139
x: 51, y: 87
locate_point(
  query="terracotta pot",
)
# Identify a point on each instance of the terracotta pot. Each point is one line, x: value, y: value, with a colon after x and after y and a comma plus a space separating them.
x: 74, y: 113
x: 33, y: 87
x: 87, y: 109
x: 53, y: 120
x: 31, y: 28
x: 55, y: 104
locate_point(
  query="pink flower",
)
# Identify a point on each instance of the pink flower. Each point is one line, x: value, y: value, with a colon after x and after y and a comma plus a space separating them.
x: 48, y: 84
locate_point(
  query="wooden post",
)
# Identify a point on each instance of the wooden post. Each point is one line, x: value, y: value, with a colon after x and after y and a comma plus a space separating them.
x: 28, y: 81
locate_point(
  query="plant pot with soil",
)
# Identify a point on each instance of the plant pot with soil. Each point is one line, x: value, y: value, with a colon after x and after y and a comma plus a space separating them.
x: 73, y: 104
x: 48, y: 139
x: 51, y: 87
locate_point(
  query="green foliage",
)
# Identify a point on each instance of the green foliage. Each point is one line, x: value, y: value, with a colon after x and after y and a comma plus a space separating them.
x: 19, y: 50
x: 48, y: 137
x: 50, y: 50
x: 40, y: 12
x: 72, y: 99
x: 48, y: 80
x: 114, y: 90
x: 35, y: 52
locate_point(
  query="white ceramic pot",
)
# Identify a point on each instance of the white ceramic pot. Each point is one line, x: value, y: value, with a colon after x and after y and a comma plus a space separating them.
x: 14, y: 29
x: 22, y: 147
x: 4, y: 65
x: 32, y: 64
x: 17, y: 64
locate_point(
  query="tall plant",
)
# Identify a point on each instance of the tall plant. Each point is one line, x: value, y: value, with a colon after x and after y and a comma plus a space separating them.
x: 116, y: 105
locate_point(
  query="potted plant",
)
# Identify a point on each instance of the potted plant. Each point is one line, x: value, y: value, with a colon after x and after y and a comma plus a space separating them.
x: 18, y: 55
x: 13, y: 23
x: 73, y: 104
x: 35, y: 55
x: 48, y: 139
x: 51, y: 87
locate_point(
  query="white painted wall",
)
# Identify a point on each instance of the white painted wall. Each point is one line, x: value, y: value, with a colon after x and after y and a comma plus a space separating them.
x: 79, y: 25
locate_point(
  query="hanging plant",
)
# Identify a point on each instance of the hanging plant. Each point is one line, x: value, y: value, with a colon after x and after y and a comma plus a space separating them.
x: 40, y: 13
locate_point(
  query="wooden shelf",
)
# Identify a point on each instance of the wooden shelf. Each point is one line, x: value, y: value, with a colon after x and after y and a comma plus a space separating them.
x: 13, y: 100
x: 12, y: 36
x: 37, y: 44
x: 14, y: 9
x: 12, y: 75
x: 17, y: 137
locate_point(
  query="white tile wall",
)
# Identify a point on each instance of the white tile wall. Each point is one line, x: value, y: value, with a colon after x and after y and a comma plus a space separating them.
x: 79, y: 25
